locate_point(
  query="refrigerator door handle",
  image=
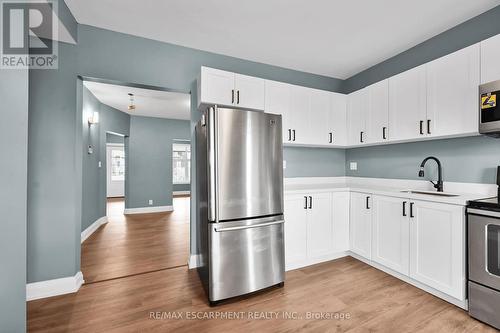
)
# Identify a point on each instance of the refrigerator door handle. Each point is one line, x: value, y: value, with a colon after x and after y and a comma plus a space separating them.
x: 212, y: 167
x: 249, y: 226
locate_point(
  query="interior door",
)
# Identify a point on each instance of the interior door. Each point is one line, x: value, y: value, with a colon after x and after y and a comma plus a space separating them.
x: 407, y: 104
x: 319, y: 225
x: 361, y: 224
x: 249, y: 164
x: 115, y: 170
x: 391, y: 234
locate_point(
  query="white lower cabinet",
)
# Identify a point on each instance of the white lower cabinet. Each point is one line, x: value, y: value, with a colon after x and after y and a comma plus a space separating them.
x: 316, y: 227
x: 391, y: 233
x: 437, y: 247
x: 361, y: 224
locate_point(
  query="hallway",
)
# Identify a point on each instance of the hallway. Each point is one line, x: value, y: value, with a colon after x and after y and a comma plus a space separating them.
x: 139, y: 243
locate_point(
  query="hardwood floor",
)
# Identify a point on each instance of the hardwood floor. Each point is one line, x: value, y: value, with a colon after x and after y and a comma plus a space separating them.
x: 373, y: 300
x: 137, y: 243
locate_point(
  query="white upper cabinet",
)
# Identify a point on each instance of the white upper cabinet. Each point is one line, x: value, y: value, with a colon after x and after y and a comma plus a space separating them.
x: 357, y: 112
x: 390, y: 233
x: 229, y: 89
x: 320, y: 111
x: 337, y: 120
x: 437, y: 247
x: 452, y: 93
x: 407, y: 104
x: 300, y: 115
x: 250, y: 92
x: 361, y: 224
x: 278, y: 101
x: 490, y: 55
x: 378, y: 112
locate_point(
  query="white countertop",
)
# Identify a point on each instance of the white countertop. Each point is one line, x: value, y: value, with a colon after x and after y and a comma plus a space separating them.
x: 392, y: 188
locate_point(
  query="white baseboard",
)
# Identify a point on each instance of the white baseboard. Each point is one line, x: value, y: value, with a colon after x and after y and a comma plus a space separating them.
x: 194, y: 261
x: 145, y: 210
x: 181, y: 193
x: 93, y: 227
x: 49, y: 288
x: 450, y: 299
x: 314, y: 261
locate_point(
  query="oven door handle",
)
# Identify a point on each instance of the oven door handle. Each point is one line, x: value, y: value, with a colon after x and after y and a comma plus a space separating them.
x: 249, y: 226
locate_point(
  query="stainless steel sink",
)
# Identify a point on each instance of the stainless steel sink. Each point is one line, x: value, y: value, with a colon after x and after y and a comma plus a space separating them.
x: 442, y: 194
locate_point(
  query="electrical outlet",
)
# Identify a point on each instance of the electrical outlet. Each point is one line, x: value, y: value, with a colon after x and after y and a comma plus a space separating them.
x: 284, y: 164
x: 353, y: 165
x: 150, y: 202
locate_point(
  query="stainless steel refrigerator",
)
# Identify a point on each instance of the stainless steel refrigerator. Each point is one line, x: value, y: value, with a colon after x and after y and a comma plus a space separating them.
x: 240, y: 226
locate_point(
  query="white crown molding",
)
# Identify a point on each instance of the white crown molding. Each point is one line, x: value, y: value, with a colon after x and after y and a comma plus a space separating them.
x: 55, y: 287
x: 93, y: 227
x: 145, y: 210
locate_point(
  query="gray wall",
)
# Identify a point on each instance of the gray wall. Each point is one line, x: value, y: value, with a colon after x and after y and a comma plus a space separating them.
x: 111, y: 138
x: 93, y: 177
x: 150, y: 160
x: 181, y: 187
x: 317, y: 162
x: 13, y: 199
x: 469, y: 160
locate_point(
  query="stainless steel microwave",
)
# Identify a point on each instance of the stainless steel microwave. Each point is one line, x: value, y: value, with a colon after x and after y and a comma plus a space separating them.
x: 489, y: 109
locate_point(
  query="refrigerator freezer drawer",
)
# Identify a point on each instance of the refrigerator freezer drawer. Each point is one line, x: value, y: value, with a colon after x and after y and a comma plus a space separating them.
x: 245, y: 256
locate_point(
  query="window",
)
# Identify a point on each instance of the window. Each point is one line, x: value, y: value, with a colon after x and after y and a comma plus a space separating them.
x: 181, y: 157
x: 117, y: 164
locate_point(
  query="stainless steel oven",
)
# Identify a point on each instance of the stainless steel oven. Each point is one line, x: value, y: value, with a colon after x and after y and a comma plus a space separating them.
x: 489, y: 109
x: 484, y: 261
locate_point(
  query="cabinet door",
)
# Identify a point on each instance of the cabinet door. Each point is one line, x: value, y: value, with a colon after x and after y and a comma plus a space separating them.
x: 319, y: 225
x: 216, y: 86
x: 320, y: 109
x: 299, y: 115
x: 340, y: 221
x: 378, y: 114
x: 490, y: 53
x: 452, y: 93
x: 390, y: 233
x: 437, y: 253
x: 295, y: 229
x: 361, y: 224
x: 278, y: 97
x: 250, y: 92
x: 407, y: 104
x: 357, y: 111
x: 337, y: 120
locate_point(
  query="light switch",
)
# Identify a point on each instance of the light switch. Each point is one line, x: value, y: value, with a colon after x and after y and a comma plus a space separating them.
x: 99, y: 164
x: 354, y: 165
x: 284, y: 164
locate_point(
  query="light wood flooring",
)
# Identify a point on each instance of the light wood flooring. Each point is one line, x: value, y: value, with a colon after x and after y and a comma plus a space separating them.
x: 374, y: 301
x: 139, y: 243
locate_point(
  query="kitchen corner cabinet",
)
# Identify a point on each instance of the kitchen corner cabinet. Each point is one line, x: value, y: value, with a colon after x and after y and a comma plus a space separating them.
x: 490, y: 53
x: 437, y: 247
x: 407, y: 105
x: 357, y: 112
x: 378, y: 112
x: 361, y: 224
x: 390, y: 233
x: 229, y: 89
x: 452, y: 93
x: 316, y: 227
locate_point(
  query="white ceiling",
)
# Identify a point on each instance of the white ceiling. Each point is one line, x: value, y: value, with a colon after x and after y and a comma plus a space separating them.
x: 149, y: 103
x: 337, y: 38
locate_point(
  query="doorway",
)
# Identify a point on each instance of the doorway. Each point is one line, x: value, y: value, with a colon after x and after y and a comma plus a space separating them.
x: 115, y: 173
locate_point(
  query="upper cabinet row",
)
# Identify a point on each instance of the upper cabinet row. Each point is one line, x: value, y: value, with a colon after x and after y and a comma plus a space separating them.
x: 436, y: 99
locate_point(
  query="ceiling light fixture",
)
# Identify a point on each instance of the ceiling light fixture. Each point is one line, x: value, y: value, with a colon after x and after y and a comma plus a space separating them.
x: 131, y: 106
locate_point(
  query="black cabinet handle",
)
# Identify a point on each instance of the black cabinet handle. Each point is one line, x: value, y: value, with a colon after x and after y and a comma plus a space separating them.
x: 232, y: 96
x: 421, y: 127
x: 361, y: 137
x: 384, y: 136
x: 404, y: 208
x: 411, y: 210
x: 428, y: 126
x: 238, y: 97
x: 289, y: 134
x: 331, y: 137
x: 305, y: 203
x: 293, y: 135
x: 367, y: 202
x: 310, y: 202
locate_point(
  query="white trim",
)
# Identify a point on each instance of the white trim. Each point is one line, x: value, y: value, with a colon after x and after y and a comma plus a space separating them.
x: 93, y: 227
x: 113, y: 144
x: 194, y: 261
x: 457, y: 302
x: 181, y: 192
x: 145, y: 210
x: 55, y: 287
